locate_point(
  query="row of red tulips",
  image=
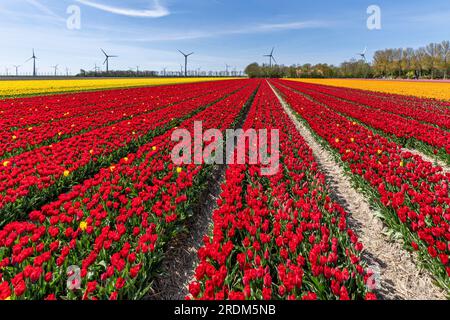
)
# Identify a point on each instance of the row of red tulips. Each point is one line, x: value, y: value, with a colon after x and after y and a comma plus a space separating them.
x: 280, y: 236
x: 25, y: 112
x: 33, y: 178
x: 412, y: 193
x: 27, y: 138
x: 20, y: 139
x: 114, y: 226
x: 424, y: 110
x: 400, y: 127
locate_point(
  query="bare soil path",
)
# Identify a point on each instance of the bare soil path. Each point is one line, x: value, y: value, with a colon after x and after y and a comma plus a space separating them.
x: 179, y: 266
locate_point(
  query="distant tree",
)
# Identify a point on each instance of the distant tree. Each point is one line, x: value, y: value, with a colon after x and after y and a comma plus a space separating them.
x: 380, y: 63
x: 421, y: 56
x: 253, y: 70
x: 432, y: 61
x: 445, y: 57
x: 432, y: 57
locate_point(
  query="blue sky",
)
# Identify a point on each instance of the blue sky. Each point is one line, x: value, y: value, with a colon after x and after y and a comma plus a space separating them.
x: 234, y: 32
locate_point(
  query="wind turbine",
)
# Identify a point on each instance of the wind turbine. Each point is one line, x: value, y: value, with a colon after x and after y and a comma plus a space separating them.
x: 185, y: 61
x: 107, y: 59
x: 67, y: 71
x: 17, y: 69
x: 96, y: 69
x: 56, y: 68
x: 363, y: 54
x: 7, y: 71
x: 34, y: 63
x: 227, y: 66
x: 271, y: 57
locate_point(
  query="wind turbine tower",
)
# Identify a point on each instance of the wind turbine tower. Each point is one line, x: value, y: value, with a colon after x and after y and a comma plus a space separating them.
x: 363, y: 54
x: 96, y: 69
x: 17, y: 69
x: 271, y: 57
x: 185, y: 61
x: 107, y: 59
x: 34, y: 64
x: 56, y: 69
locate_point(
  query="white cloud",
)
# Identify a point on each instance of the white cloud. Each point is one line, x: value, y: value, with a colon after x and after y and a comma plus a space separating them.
x: 44, y: 9
x: 293, y: 25
x: 157, y: 11
x: 251, y: 29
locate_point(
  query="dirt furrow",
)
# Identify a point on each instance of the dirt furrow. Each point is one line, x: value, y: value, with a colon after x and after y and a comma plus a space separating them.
x: 397, y: 275
x: 179, y: 266
x: 435, y: 162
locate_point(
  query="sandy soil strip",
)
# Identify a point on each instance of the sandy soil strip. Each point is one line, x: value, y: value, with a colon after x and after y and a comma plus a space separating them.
x: 181, y: 259
x: 434, y: 161
x: 397, y: 274
x: 181, y: 255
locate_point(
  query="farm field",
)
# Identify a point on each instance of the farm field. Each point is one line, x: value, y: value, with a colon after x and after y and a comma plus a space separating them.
x: 425, y: 89
x: 33, y: 87
x: 91, y: 199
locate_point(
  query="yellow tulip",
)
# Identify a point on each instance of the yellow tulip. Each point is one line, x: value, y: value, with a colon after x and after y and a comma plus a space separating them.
x: 433, y: 90
x: 83, y: 225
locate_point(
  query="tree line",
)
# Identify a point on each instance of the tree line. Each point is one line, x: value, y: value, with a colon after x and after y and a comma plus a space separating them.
x: 429, y: 62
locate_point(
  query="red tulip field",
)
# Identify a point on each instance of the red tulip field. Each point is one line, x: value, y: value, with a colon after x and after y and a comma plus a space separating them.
x: 92, y: 202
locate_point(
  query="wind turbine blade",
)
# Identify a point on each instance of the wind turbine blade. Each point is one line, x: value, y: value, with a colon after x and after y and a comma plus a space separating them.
x: 182, y: 52
x: 103, y: 52
x: 271, y: 53
x: 105, y: 60
x: 274, y: 60
x: 190, y: 54
x: 365, y: 50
